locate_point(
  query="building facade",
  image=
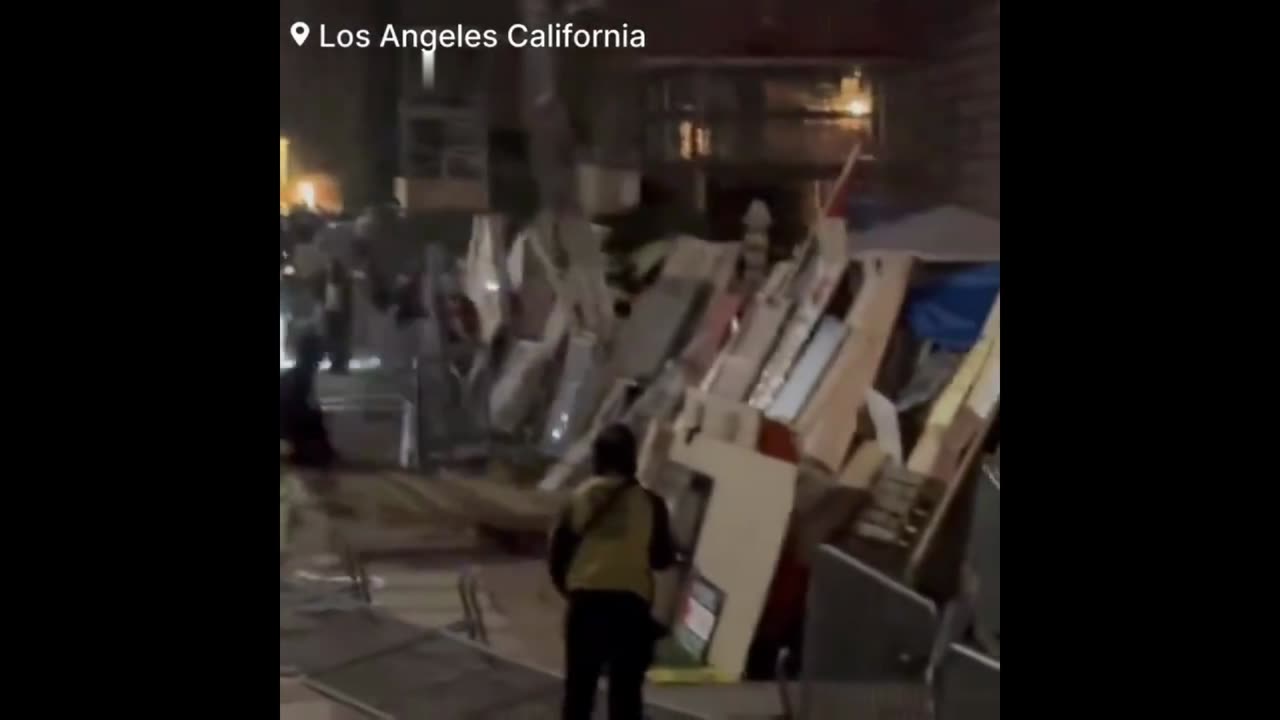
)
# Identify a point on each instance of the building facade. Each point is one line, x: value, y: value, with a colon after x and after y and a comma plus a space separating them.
x: 728, y: 97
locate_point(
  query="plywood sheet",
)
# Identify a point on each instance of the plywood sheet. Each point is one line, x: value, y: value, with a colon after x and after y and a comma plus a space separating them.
x: 808, y: 370
x: 742, y: 533
x: 714, y: 330
x: 813, y: 300
x: 660, y: 317
x: 880, y: 277
x: 861, y: 470
x: 748, y: 352
x: 871, y: 321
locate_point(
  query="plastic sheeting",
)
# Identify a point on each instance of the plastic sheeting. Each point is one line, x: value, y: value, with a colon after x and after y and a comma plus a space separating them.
x: 952, y: 309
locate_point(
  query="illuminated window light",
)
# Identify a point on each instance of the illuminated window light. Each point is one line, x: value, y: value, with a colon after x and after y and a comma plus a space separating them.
x: 428, y: 69
x: 308, y: 192
x: 859, y: 107
x: 284, y: 162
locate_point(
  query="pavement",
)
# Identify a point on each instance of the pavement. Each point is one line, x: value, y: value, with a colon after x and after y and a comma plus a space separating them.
x: 414, y: 576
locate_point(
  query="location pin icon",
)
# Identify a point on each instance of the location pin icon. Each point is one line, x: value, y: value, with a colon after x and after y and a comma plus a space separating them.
x: 300, y: 32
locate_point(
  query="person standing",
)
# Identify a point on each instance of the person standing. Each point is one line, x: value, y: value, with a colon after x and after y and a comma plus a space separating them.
x: 301, y: 420
x: 338, y: 316
x: 609, y: 539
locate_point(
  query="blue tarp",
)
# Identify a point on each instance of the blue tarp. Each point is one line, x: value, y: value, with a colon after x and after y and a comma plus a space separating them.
x: 951, y: 309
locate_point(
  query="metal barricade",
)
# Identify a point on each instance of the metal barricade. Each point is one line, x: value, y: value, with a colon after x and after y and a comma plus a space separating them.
x: 864, y: 632
x: 983, y: 557
x: 367, y: 414
x: 452, y: 397
x: 968, y: 686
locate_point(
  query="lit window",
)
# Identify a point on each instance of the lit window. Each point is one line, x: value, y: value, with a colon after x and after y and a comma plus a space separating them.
x: 428, y: 69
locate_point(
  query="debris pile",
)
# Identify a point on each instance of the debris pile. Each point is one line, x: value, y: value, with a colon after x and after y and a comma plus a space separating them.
x: 841, y: 397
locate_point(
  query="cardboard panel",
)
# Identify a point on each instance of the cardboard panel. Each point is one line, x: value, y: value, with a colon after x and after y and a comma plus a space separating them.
x: 741, y: 539
x: 872, y: 318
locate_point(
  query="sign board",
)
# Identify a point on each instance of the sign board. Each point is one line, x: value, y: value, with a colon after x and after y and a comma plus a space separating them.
x: 699, y: 616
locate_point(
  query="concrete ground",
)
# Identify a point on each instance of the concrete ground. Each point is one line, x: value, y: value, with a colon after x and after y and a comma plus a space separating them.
x: 414, y: 578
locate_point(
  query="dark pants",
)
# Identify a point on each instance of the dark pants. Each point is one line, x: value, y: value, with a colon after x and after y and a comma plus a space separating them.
x: 613, y: 630
x: 338, y: 342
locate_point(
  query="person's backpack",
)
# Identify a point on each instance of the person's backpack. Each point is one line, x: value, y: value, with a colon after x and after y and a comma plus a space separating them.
x: 565, y: 541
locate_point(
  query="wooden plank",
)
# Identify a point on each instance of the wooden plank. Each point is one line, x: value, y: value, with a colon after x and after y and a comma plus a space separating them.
x: 713, y: 332
x: 747, y: 515
x: 954, y: 485
x: 720, y: 418
x: 872, y: 319
x: 746, y: 355
x: 925, y: 455
x: 859, y: 316
x: 814, y: 299
x: 959, y: 443
x: 861, y: 470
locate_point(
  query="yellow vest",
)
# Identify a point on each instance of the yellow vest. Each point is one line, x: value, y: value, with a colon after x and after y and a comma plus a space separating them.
x: 614, y: 555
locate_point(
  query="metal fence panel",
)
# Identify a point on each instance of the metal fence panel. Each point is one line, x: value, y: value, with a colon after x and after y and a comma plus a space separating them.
x: 861, y: 627
x: 968, y: 687
x: 984, y: 550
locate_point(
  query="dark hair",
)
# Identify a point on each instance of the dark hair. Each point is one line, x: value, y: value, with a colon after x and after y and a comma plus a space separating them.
x: 614, y: 451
